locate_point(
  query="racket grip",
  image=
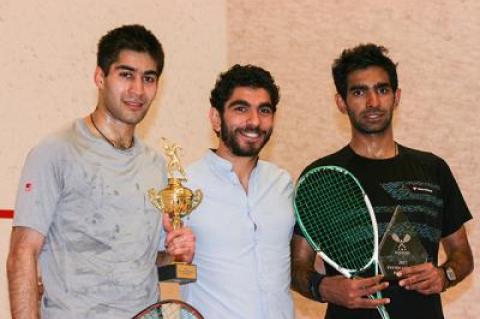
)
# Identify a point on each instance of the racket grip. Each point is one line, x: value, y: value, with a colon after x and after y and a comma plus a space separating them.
x: 381, y: 309
x: 383, y: 312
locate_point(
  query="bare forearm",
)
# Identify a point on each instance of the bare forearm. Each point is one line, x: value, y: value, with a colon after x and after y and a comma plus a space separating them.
x: 459, y: 254
x: 462, y: 263
x: 302, y: 266
x: 301, y: 280
x: 22, y: 285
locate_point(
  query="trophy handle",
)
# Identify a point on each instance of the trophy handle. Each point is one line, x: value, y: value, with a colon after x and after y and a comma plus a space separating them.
x: 196, y: 199
x: 155, y: 199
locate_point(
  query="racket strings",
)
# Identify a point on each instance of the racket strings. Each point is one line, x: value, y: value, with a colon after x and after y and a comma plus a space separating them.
x: 168, y: 311
x: 332, y: 209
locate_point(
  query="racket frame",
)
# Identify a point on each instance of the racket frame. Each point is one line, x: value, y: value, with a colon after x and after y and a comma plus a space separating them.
x: 160, y: 304
x: 349, y: 273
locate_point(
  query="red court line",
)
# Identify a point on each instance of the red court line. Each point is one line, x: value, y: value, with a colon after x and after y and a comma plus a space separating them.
x: 6, y: 213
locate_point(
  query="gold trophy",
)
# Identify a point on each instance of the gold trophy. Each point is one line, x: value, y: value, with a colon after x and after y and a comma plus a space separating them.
x: 177, y: 201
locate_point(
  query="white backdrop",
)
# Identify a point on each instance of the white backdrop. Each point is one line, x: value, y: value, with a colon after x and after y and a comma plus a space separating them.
x: 48, y: 55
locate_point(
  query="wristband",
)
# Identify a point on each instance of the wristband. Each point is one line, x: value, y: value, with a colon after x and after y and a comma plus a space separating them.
x: 314, y: 286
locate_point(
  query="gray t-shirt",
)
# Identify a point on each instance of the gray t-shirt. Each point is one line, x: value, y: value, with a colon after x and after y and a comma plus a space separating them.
x: 102, y: 233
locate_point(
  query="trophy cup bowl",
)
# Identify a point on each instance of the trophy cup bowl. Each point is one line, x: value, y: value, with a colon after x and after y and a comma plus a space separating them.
x: 175, y: 200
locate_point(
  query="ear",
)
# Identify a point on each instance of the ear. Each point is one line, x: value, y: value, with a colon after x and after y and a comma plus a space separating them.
x: 215, y: 119
x: 398, y: 94
x: 341, y: 105
x: 99, y: 77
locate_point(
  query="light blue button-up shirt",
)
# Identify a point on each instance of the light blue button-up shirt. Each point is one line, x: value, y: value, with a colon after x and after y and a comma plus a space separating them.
x: 243, y: 241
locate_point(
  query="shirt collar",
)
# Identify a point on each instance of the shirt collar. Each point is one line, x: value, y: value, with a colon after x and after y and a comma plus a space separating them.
x: 225, y: 167
x: 218, y: 162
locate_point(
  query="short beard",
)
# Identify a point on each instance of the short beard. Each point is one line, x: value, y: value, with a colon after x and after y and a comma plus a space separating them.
x: 229, y: 140
x: 366, y: 129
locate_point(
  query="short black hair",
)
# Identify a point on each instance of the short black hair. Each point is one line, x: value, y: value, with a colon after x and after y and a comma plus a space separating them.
x: 243, y: 76
x: 359, y: 58
x: 128, y: 37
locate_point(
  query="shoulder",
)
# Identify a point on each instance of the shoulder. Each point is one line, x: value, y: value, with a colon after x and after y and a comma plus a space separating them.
x: 202, y: 174
x: 430, y: 164
x: 151, y: 154
x: 272, y: 170
x: 423, y: 157
x: 271, y: 176
x: 418, y: 154
x: 197, y: 167
x: 54, y: 144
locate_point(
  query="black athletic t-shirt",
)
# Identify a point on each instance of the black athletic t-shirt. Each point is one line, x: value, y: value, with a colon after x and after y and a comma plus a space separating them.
x: 426, y: 191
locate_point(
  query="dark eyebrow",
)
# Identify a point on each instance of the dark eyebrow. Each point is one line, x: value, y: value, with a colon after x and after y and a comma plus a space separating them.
x: 382, y: 85
x: 151, y: 72
x: 358, y: 87
x: 124, y: 67
x: 130, y: 68
x: 365, y: 87
x: 238, y: 102
x: 266, y: 105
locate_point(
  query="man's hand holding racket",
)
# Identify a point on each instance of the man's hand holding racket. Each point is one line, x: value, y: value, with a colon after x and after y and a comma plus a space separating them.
x: 353, y: 293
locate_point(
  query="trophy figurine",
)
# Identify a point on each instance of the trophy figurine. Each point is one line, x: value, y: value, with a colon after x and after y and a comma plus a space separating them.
x: 176, y: 201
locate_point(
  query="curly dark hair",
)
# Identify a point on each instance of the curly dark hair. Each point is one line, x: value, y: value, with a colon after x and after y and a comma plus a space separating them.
x: 362, y: 57
x: 243, y: 76
x: 128, y: 37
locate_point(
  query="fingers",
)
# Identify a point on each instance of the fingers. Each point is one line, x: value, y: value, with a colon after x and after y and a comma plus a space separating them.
x: 354, y: 293
x: 180, y: 244
x: 414, y: 270
x: 424, y: 278
x: 373, y: 288
x: 371, y: 303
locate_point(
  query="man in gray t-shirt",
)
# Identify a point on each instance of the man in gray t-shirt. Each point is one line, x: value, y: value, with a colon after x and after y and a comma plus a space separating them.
x: 82, y: 214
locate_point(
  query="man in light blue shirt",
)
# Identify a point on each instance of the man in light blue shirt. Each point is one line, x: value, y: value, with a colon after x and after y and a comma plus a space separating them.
x: 244, y: 224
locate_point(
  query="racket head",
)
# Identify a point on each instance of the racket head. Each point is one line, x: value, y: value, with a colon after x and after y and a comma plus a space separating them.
x: 169, y: 309
x: 337, y: 219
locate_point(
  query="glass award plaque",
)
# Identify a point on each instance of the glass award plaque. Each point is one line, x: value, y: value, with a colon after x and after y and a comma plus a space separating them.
x: 400, y: 246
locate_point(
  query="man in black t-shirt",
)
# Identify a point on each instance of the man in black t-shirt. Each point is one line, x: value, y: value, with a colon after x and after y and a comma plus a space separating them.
x: 420, y: 183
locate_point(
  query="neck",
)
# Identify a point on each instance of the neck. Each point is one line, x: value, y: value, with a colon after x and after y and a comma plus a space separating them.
x: 118, y: 135
x: 242, y: 165
x: 374, y: 147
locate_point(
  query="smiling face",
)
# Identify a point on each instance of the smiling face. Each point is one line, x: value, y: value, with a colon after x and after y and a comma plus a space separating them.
x: 370, y: 101
x: 246, y: 123
x: 125, y: 94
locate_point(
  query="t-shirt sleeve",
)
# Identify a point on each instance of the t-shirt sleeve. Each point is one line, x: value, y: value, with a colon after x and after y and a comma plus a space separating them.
x: 38, y: 190
x: 456, y: 212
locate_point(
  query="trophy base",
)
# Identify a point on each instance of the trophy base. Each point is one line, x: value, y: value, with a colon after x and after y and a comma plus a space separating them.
x: 181, y: 273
